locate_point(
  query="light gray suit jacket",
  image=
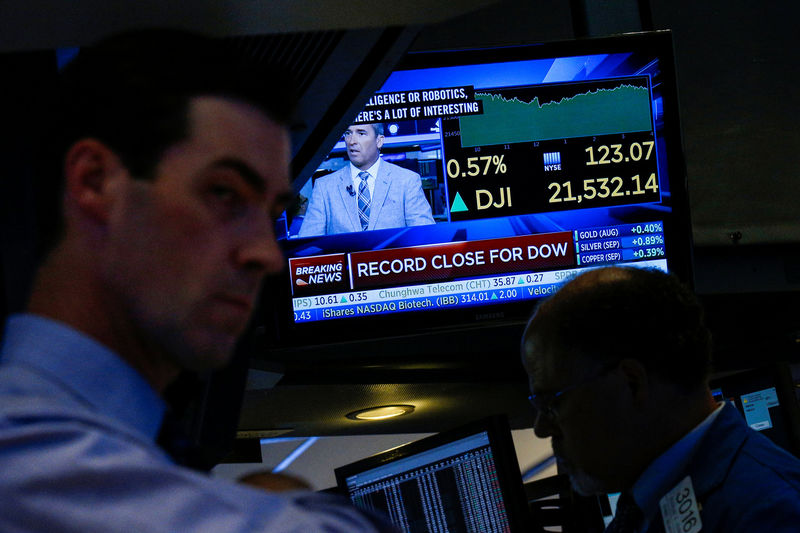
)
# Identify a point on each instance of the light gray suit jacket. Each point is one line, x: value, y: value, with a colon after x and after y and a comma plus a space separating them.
x: 397, y: 201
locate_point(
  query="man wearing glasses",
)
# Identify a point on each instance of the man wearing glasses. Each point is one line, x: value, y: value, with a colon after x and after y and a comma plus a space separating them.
x: 618, y: 362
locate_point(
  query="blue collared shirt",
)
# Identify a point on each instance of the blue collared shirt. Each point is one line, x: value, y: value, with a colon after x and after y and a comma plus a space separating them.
x: 660, y: 476
x: 77, y: 451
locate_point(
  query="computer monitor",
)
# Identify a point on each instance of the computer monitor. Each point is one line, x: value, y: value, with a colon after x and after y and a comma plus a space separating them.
x: 765, y: 397
x: 464, y: 479
x: 535, y: 163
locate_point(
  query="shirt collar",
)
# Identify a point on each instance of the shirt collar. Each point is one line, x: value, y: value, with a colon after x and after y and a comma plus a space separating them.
x: 89, y: 371
x: 373, y: 171
x: 668, y: 468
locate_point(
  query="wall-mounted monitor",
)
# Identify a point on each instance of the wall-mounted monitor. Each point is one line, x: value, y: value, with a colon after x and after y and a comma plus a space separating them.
x: 503, y: 172
x: 464, y: 479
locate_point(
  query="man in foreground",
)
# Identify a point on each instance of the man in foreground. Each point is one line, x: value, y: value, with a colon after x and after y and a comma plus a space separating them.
x: 367, y: 194
x: 618, y: 362
x: 175, y: 164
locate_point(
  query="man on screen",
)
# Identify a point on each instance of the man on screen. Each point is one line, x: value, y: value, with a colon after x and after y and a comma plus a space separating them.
x: 618, y: 362
x: 174, y: 166
x: 368, y: 193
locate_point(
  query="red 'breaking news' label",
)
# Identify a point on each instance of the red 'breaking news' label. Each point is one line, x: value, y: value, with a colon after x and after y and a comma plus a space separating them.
x: 319, y: 274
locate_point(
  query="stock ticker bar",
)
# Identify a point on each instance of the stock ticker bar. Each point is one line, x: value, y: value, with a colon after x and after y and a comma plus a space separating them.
x: 463, y: 274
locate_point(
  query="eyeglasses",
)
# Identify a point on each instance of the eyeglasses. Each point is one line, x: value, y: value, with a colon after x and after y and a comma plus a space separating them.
x: 545, y: 402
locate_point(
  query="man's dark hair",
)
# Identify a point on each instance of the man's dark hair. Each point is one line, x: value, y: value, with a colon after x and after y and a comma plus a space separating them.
x: 132, y: 92
x: 611, y: 314
x: 378, y: 127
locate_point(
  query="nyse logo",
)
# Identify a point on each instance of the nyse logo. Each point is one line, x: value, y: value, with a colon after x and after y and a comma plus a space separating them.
x: 552, y: 161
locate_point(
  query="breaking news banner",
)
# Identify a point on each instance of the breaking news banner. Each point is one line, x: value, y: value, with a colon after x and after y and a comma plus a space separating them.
x: 382, y: 268
x: 319, y: 274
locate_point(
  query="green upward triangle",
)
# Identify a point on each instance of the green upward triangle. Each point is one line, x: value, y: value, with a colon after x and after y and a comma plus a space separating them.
x: 458, y: 204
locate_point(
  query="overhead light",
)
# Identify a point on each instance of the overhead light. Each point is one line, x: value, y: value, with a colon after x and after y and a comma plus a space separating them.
x: 381, y: 413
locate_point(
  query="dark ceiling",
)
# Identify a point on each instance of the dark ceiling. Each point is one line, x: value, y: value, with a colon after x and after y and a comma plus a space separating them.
x: 450, y: 377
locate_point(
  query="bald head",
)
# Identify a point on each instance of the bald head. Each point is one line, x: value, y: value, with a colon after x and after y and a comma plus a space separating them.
x: 609, y: 314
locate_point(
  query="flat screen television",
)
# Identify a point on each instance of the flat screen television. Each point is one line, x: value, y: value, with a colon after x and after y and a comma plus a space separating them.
x: 464, y: 479
x: 536, y: 162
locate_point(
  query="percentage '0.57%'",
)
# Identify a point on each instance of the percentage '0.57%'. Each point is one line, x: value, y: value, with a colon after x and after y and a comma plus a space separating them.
x: 476, y: 166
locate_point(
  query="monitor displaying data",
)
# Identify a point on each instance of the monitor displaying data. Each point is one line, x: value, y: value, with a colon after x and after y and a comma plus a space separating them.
x: 765, y: 398
x: 459, y: 481
x: 509, y: 170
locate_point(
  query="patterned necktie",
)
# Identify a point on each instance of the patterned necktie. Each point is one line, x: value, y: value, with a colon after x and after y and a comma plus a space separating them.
x: 628, y: 517
x: 363, y: 200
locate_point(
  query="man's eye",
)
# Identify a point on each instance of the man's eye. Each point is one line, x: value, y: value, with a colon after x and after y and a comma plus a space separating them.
x: 226, y: 198
x: 225, y: 193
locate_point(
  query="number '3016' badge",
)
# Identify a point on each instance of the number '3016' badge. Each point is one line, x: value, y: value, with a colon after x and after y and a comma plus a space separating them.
x: 679, y: 509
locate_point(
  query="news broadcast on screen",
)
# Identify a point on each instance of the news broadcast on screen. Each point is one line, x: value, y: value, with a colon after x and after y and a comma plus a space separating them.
x: 537, y: 162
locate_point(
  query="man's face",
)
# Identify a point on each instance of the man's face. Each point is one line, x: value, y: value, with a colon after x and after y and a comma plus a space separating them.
x: 588, y: 434
x: 363, y: 145
x: 188, y: 250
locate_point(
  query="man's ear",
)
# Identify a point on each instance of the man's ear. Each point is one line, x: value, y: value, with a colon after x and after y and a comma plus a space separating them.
x: 89, y: 167
x: 379, y: 141
x: 636, y: 378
